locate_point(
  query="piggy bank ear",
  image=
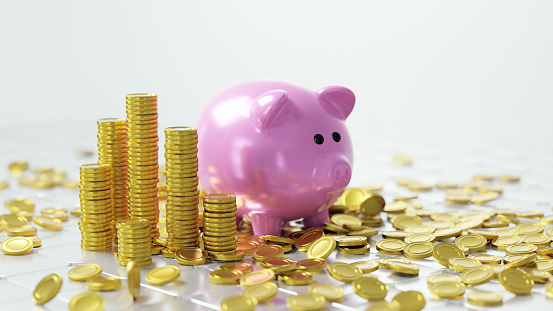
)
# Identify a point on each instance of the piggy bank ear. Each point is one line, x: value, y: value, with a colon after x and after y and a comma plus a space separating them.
x: 267, y: 107
x: 337, y: 100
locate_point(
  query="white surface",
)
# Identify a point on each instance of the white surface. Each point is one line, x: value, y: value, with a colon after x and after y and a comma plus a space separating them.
x: 475, y: 72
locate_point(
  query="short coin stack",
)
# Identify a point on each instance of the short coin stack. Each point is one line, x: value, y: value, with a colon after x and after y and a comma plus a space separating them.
x: 134, y: 241
x: 112, y: 149
x: 142, y: 158
x: 181, y: 165
x: 219, y: 223
x: 96, y: 207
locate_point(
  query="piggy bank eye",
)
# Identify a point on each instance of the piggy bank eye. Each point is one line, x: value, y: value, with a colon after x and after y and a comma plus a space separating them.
x: 336, y: 136
x: 319, y: 139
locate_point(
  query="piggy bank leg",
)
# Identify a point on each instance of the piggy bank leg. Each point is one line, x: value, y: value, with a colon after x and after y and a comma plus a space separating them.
x: 316, y: 220
x: 263, y: 224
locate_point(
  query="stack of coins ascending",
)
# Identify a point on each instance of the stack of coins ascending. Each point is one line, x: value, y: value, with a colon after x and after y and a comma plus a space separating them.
x: 112, y: 149
x: 134, y: 241
x: 219, y: 223
x: 142, y: 159
x: 96, y: 207
x: 181, y: 168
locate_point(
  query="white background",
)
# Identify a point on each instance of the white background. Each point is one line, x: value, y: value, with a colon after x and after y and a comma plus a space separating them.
x: 424, y: 72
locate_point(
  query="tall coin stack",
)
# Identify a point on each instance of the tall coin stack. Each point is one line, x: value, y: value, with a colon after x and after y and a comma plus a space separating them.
x: 219, y: 223
x: 96, y: 207
x: 112, y: 149
x: 142, y: 159
x: 181, y: 168
x: 134, y: 241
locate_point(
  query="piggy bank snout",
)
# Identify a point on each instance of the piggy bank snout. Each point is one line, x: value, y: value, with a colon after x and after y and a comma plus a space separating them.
x: 340, y: 175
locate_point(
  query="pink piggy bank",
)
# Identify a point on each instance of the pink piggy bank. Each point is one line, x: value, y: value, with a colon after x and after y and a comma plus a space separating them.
x: 282, y: 149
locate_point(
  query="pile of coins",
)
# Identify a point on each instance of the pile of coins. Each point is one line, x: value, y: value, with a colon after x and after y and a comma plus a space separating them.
x: 134, y: 241
x: 219, y: 224
x: 96, y: 207
x: 181, y: 164
x: 142, y: 158
x: 112, y: 150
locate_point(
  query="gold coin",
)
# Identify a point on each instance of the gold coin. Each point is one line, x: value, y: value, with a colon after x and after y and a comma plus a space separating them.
x: 372, y: 204
x: 47, y: 288
x: 520, y: 248
x: 383, y: 262
x: 352, y: 198
x: 478, y: 275
x: 402, y: 267
x: 304, y: 241
x: 354, y: 250
x: 87, y: 301
x: 515, y: 281
x: 483, y: 298
x: 225, y: 276
x: 329, y: 292
x: 403, y: 221
x: 311, y: 265
x: 342, y: 219
x: 529, y: 228
x: 101, y: 283
x: 321, y: 248
x: 350, y: 240
x: 443, y: 251
x: 11, y: 220
x: 420, y: 237
x: 395, y: 207
x: 191, y: 256
x: 278, y: 264
x: 475, y: 243
x: 448, y: 290
x: 366, y: 266
x: 21, y: 231
x: 503, y: 241
x: 410, y: 300
x: 390, y: 246
x: 267, y: 251
x: 549, y: 288
x: 47, y: 222
x: 364, y: 232
x: 257, y: 277
x: 344, y: 272
x: 37, y: 242
x: 239, y: 303
x: 420, y: 229
x: 461, y: 264
x: 544, y: 265
x: 370, y: 289
x: 163, y: 275
x: 306, y: 302
x: 538, y: 239
x: 447, y: 233
x: 418, y: 250
x: 443, y: 278
x: 385, y: 306
x: 536, y: 275
x: 296, y: 278
x: 20, y: 205
x: 486, y: 258
x: 483, y: 198
x: 133, y: 279
x: 261, y: 292
x: 84, y: 273
x: 16, y: 246
x: 240, y: 266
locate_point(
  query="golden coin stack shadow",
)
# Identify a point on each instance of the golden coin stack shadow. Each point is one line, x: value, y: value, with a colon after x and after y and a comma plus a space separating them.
x: 96, y: 207
x: 142, y: 159
x: 112, y: 149
x: 134, y: 241
x: 181, y: 187
x: 219, y: 223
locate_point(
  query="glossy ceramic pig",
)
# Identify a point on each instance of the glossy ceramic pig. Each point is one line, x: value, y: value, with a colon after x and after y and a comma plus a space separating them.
x: 282, y: 149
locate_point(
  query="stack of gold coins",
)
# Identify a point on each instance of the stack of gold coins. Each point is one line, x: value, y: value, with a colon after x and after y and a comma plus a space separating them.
x: 134, y: 241
x: 219, y: 223
x: 96, y: 207
x: 181, y: 168
x: 112, y: 149
x: 142, y: 159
